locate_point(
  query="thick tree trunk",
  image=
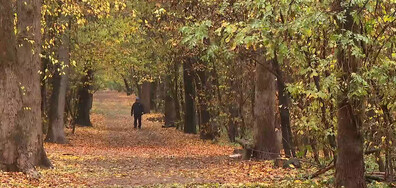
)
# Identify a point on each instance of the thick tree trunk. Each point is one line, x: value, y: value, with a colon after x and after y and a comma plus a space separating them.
x: 153, y: 95
x: 85, y: 99
x: 265, y: 146
x: 170, y: 111
x: 21, y: 137
x: 145, y: 97
x: 350, y: 163
x: 56, y: 133
x: 287, y: 137
x: 189, y: 93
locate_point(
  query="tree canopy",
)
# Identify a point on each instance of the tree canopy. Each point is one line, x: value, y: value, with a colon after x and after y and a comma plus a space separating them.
x: 312, y: 81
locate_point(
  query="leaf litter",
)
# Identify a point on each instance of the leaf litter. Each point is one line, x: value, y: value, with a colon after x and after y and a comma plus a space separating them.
x: 113, y: 154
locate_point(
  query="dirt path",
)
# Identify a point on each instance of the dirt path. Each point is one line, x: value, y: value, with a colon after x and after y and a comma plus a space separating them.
x: 152, y: 155
x: 113, y: 154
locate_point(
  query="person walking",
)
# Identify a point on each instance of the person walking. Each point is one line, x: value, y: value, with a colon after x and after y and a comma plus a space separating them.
x: 137, y: 111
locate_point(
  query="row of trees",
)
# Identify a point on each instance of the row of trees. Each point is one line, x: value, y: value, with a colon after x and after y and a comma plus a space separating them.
x: 41, y: 87
x: 319, y: 75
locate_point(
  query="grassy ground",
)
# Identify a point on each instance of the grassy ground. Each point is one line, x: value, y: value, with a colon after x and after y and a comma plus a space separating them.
x: 113, y: 154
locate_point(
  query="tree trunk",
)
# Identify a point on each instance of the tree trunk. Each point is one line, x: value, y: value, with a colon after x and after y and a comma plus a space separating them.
x: 287, y: 137
x: 315, y: 150
x: 380, y: 161
x: 180, y: 90
x: 127, y: 87
x: 350, y: 163
x: 206, y: 130
x: 21, y: 136
x: 170, y: 111
x: 145, y: 97
x: 265, y: 146
x: 176, y: 92
x: 153, y: 95
x: 56, y: 133
x: 85, y: 99
x: 189, y: 93
x: 232, y: 122
x: 232, y: 100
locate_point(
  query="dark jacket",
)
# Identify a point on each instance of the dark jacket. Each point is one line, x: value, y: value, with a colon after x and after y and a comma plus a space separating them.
x: 137, y: 109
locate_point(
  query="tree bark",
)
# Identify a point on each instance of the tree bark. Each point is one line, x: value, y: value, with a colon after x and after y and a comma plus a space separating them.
x: 189, y: 93
x: 287, y: 137
x: 350, y: 163
x: 170, y: 111
x: 265, y: 146
x: 85, y: 99
x: 56, y: 133
x: 154, y: 90
x: 145, y: 97
x: 21, y: 137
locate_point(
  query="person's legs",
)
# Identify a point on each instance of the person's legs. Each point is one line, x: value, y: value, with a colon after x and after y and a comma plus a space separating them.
x: 140, y: 122
x: 135, y: 118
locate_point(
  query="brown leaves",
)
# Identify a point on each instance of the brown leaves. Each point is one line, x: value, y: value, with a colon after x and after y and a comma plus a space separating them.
x: 113, y: 153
